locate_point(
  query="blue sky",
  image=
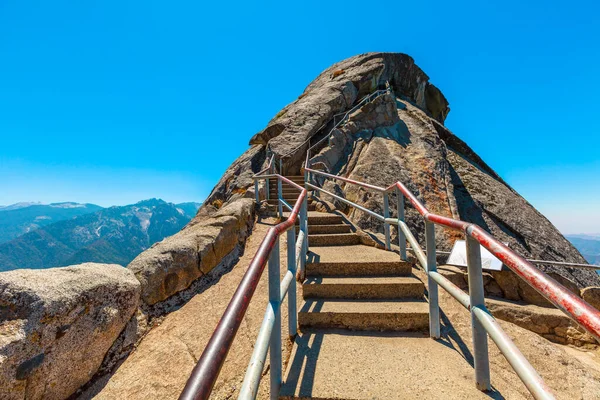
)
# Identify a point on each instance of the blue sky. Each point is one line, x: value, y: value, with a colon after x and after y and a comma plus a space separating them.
x: 111, y: 102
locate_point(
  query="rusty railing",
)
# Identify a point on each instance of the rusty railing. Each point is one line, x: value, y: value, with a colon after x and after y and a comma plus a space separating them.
x: 205, y: 373
x: 483, y: 323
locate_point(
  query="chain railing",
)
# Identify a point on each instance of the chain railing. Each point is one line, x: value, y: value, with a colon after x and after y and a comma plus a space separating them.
x: 205, y: 373
x: 483, y: 323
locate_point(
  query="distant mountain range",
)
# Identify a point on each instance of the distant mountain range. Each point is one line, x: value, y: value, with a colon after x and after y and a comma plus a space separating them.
x: 86, y: 232
x: 21, y: 218
x: 588, y: 245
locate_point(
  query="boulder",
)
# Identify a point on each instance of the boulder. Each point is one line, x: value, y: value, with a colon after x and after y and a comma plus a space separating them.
x: 550, y: 323
x: 592, y: 296
x: 446, y: 175
x: 172, y: 265
x: 57, y: 325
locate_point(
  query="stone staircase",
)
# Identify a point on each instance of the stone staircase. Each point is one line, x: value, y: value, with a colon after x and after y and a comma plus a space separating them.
x: 358, y: 301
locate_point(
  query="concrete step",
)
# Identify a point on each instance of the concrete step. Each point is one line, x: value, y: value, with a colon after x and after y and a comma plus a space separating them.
x: 273, y: 183
x: 286, y: 190
x: 284, y: 186
x: 274, y: 211
x: 290, y: 200
x: 320, y: 218
x: 355, y: 261
x: 365, y: 315
x: 332, y: 239
x: 274, y: 198
x: 363, y: 288
x: 290, y: 194
x: 391, y: 366
x: 274, y: 202
x: 318, y: 229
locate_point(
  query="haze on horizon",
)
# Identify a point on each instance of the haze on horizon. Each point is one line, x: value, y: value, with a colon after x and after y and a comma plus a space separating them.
x: 110, y: 103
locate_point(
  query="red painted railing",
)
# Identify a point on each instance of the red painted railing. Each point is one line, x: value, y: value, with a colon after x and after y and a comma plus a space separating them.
x: 205, y: 373
x: 576, y: 308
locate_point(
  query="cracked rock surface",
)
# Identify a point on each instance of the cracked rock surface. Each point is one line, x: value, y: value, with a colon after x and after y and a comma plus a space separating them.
x: 161, y: 364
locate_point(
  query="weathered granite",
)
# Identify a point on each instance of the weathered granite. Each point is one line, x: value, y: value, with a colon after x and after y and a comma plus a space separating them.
x: 174, y: 264
x: 592, y: 296
x: 57, y: 325
x: 550, y: 323
x: 449, y: 179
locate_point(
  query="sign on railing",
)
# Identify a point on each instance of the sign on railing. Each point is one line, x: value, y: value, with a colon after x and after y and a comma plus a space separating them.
x: 479, y: 245
x: 458, y: 257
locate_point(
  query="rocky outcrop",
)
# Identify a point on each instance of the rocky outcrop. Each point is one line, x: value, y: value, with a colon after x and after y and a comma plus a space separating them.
x: 592, y: 296
x: 48, y: 315
x: 57, y: 325
x: 175, y: 263
x: 397, y: 138
x: 549, y: 323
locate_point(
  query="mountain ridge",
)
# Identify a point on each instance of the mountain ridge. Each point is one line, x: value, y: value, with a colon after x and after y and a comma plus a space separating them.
x: 588, y: 245
x: 110, y: 235
x: 21, y: 218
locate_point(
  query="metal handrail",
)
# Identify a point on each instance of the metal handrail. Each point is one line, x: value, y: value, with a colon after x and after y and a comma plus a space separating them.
x: 359, y: 104
x: 205, y: 373
x: 577, y: 309
x: 483, y: 322
x: 367, y: 99
x: 534, y: 261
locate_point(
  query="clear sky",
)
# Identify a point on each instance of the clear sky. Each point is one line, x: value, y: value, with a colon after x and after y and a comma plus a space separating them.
x: 111, y: 102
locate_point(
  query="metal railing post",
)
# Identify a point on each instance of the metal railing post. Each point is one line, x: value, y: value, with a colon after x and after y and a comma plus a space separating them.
x: 275, y: 342
x: 268, y: 189
x: 476, y: 294
x: 256, y: 193
x: 401, y: 236
x: 386, y: 226
x: 291, y: 264
x: 432, y: 286
x: 279, y: 198
x: 304, y: 228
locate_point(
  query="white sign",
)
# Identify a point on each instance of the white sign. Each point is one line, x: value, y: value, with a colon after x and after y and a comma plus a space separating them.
x: 458, y: 257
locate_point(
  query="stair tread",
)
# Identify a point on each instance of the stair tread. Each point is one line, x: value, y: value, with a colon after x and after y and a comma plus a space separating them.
x: 335, y: 225
x: 355, y: 254
x: 318, y: 214
x: 366, y: 306
x: 331, y: 234
x: 362, y: 366
x: 363, y: 280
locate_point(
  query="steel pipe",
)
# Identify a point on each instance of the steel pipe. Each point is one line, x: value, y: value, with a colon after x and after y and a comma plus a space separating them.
x: 280, y: 198
x: 275, y: 356
x: 528, y: 375
x: 340, y: 178
x: 577, y: 309
x: 432, y: 288
x: 291, y: 271
x: 361, y: 208
x: 451, y: 288
x: 477, y: 299
x: 416, y: 248
x: 386, y: 226
x: 299, y: 257
x: 251, y: 382
x: 286, y: 204
x: 284, y: 286
x: 401, y: 235
x: 206, y: 371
